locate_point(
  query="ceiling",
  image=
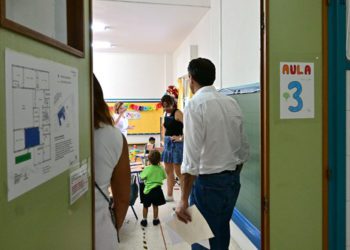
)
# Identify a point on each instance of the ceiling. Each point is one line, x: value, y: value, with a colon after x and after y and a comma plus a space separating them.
x: 148, y: 26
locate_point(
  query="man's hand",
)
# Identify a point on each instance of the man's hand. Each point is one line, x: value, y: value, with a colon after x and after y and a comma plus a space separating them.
x: 182, y: 213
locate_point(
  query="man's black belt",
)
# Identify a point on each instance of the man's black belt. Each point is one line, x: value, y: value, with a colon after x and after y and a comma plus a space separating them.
x: 238, y: 168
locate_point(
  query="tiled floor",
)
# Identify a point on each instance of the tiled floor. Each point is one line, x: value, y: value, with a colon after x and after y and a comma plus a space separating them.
x: 134, y: 237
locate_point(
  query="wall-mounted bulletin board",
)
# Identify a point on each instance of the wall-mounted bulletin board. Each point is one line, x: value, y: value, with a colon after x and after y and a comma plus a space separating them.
x: 143, y: 115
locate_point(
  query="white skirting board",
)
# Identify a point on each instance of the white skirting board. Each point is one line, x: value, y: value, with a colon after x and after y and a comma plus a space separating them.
x: 242, y: 241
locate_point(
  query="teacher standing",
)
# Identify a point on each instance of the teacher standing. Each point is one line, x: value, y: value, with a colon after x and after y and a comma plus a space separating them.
x: 120, y: 118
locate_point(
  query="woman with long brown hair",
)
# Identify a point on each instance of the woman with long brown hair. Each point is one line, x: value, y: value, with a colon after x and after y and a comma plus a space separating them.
x: 173, y: 142
x: 112, y: 169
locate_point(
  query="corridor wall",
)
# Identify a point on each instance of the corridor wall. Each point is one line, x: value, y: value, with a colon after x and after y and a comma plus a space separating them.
x: 249, y: 199
x: 42, y: 217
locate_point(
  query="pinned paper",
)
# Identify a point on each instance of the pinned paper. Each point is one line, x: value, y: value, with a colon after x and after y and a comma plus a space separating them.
x: 78, y: 183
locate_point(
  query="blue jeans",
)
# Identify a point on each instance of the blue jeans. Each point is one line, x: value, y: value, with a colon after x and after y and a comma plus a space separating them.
x: 172, y: 151
x: 215, y: 196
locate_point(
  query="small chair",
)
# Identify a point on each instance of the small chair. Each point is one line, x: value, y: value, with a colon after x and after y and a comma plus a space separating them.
x: 133, y: 193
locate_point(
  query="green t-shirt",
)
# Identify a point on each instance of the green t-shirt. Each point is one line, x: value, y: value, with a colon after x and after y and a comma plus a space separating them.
x: 153, y: 176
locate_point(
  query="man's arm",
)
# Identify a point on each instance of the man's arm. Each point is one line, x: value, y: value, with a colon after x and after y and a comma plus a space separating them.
x: 186, y: 187
x: 194, y: 132
x: 191, y: 160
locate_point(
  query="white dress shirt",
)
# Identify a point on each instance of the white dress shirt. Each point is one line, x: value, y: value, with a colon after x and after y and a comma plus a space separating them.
x: 214, y: 140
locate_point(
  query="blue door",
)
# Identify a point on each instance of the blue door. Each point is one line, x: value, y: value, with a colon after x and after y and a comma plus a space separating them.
x: 338, y: 65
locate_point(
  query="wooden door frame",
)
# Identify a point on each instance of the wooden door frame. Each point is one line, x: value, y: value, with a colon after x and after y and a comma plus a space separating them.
x: 264, y: 106
x: 92, y: 184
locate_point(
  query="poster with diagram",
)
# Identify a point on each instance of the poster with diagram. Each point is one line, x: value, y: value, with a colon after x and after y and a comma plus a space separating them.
x: 42, y: 120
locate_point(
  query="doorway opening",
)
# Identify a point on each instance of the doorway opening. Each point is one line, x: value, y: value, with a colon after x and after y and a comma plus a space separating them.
x: 142, y: 47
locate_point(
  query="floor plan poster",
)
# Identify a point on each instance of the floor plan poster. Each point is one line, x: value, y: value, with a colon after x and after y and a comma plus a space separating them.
x: 42, y: 121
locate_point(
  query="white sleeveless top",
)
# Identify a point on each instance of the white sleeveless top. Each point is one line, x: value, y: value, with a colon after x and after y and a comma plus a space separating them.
x: 108, y: 144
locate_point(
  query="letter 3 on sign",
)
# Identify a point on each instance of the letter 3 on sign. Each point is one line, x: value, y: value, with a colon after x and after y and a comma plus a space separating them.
x: 296, y: 96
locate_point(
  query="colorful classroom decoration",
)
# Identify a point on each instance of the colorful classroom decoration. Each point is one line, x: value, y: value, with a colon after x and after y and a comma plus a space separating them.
x: 136, y: 107
x: 145, y: 117
x: 133, y: 115
x: 172, y: 91
x: 149, y: 107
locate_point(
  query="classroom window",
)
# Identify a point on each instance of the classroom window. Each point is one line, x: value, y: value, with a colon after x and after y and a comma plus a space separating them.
x: 58, y: 23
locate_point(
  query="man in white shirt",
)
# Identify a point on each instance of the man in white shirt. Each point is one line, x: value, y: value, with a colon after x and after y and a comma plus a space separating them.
x: 215, y: 148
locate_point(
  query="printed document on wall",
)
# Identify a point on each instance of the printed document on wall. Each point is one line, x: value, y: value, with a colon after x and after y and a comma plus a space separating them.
x: 42, y: 120
x: 297, y: 90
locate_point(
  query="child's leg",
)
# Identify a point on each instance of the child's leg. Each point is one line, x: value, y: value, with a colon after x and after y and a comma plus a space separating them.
x: 155, y: 215
x: 145, y: 212
x: 155, y: 212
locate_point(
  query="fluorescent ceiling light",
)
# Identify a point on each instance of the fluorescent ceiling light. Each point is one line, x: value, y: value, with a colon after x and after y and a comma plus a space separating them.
x: 101, y: 45
x: 98, y: 27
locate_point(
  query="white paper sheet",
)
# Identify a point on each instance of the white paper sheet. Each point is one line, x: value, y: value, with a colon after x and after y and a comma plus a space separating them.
x: 79, y: 183
x: 196, y: 231
x: 174, y: 237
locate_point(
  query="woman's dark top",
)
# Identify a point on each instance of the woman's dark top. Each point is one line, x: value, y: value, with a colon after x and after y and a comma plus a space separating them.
x: 172, y: 126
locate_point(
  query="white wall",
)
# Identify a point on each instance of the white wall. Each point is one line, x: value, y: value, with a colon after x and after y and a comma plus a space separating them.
x: 228, y: 35
x: 231, y: 41
x: 169, y: 70
x: 240, y: 42
x: 206, y: 35
x: 136, y: 76
x: 143, y: 139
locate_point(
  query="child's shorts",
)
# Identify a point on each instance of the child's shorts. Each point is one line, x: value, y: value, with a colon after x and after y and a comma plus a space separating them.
x: 154, y: 197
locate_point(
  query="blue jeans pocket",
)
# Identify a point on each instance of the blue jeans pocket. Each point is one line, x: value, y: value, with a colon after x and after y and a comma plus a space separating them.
x: 215, y: 200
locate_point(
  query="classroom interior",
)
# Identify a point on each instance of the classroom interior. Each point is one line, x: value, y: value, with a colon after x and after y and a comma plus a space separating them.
x: 295, y: 187
x: 139, y: 62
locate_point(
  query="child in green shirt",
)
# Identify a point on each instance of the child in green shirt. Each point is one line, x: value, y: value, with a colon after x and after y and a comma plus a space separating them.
x: 153, y: 175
